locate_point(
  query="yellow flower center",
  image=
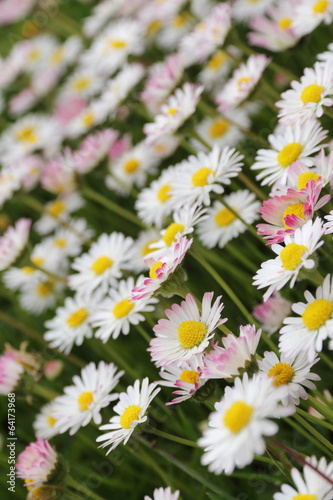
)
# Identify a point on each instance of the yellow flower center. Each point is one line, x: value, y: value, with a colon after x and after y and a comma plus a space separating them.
x: 172, y: 111
x: 171, y: 231
x: 320, y: 7
x: 154, y: 27
x: 180, y: 20
x: 34, y: 55
x: 122, y: 308
x: 163, y: 194
x: 56, y: 208
x: 38, y: 261
x: 285, y: 23
x: 307, y: 496
x: 130, y: 414
x: 224, y: 217
x: 101, y: 264
x: 51, y: 420
x: 282, y: 374
x: 60, y: 242
x: 291, y: 256
x: 295, y: 209
x: 189, y: 376
x: 191, y: 333
x: 218, y: 128
x: 84, y: 400
x: 200, y: 178
x: 304, y: 178
x: 27, y: 134
x: 154, y: 268
x: 88, y: 118
x: 312, y: 93
x: 242, y: 80
x: 57, y: 56
x: 237, y: 416
x: 81, y: 83
x: 118, y: 44
x: 317, y: 313
x: 28, y: 269
x: 77, y: 317
x: 289, y: 154
x: 44, y: 289
x: 131, y: 166
x: 146, y: 249
x: 217, y: 60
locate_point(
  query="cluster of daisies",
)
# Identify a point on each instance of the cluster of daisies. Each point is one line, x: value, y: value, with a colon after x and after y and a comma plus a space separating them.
x: 132, y: 145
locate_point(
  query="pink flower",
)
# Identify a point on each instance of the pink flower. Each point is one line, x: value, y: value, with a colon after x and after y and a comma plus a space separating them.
x: 119, y: 147
x: 58, y: 176
x: 272, y: 312
x: 13, y: 242
x: 68, y: 108
x: 93, y: 149
x: 36, y: 462
x: 10, y: 372
x: 13, y: 10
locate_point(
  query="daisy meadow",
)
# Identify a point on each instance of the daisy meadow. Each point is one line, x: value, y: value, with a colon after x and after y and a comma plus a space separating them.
x: 241, y: 420
x: 187, y: 331
x: 314, y: 323
x: 291, y: 258
x: 131, y: 410
x: 83, y: 401
x: 221, y: 225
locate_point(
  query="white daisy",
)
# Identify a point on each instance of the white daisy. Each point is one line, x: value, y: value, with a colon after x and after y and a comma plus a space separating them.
x: 216, y: 69
x: 310, y: 13
x: 310, y: 485
x: 187, y: 331
x: 314, y: 324
x: 200, y: 175
x: 70, y: 239
x: 243, y: 10
x: 83, y: 401
x: 221, y: 225
x: 116, y: 313
x: 240, y: 422
x: 143, y: 247
x: 13, y: 242
x: 292, y: 372
x: 40, y: 294
x: 15, y: 278
x: 307, y: 97
x: 58, y: 210
x: 291, y: 258
x: 84, y: 82
x: 44, y: 422
x: 131, y: 409
x: 163, y: 494
x: 292, y: 143
x: 93, y: 114
x: 102, y: 265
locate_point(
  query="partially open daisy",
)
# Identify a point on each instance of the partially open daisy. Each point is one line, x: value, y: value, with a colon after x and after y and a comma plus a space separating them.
x: 272, y: 312
x: 292, y: 372
x: 222, y: 225
x: 116, y: 313
x: 242, y: 82
x: 131, y: 410
x: 37, y: 462
x: 102, y: 265
x: 179, y: 107
x: 162, y: 274
x: 241, y: 420
x: 314, y: 323
x: 163, y: 494
x: 307, y: 97
x: 187, y: 378
x: 13, y: 242
x: 310, y: 485
x: 83, y: 401
x: 294, y: 142
x: 187, y: 331
x: 200, y: 175
x: 236, y: 356
x: 291, y: 258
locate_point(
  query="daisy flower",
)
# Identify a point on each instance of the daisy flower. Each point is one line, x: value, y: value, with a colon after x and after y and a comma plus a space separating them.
x: 272, y: 312
x: 242, y: 82
x: 286, y: 213
x: 163, y: 494
x: 58, y: 210
x: 310, y: 13
x: 242, y: 10
x: 187, y: 378
x: 310, y: 485
x: 179, y: 107
x: 171, y: 33
x: 292, y: 372
x: 13, y: 242
x: 314, y: 324
x: 58, y: 176
x: 292, y: 143
x: 13, y: 10
x: 329, y: 224
x: 130, y: 409
x: 37, y: 462
x: 115, y: 314
x: 291, y: 258
x: 187, y: 331
x: 163, y: 270
x: 83, y: 83
x: 88, y: 116
x: 71, y: 324
x: 221, y: 225
x: 216, y: 69
x: 236, y: 356
x: 70, y: 239
x: 83, y: 401
x: 307, y: 97
x: 16, y: 277
x: 93, y: 149
x: 143, y: 247
x: 40, y: 294
x: 200, y: 175
x: 102, y: 265
x: 241, y: 420
x: 44, y: 422
x: 11, y: 371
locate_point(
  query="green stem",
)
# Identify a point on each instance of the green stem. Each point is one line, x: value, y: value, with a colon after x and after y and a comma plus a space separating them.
x: 252, y: 186
x: 72, y: 483
x: 326, y: 360
x: 321, y: 408
x: 314, y: 419
x: 143, y: 333
x: 53, y: 276
x: 311, y: 436
x: 173, y: 438
x: 112, y: 206
x: 188, y: 146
